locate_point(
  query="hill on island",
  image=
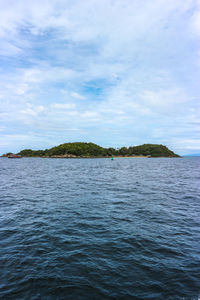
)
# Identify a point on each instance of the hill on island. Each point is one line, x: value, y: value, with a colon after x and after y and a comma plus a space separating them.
x: 79, y: 149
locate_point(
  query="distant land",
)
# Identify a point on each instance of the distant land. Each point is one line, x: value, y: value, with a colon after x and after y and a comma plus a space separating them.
x: 91, y: 150
x: 191, y: 155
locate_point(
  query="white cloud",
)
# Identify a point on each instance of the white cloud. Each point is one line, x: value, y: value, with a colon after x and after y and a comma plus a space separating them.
x: 33, y: 111
x: 63, y: 106
x: 8, y: 49
x: 20, y: 92
x: 195, y: 24
x: 77, y: 96
x: 164, y: 101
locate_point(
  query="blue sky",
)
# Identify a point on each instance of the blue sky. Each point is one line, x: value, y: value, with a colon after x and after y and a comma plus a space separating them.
x: 113, y: 72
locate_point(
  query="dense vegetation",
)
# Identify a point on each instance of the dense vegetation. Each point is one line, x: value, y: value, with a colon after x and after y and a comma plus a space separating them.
x: 93, y: 150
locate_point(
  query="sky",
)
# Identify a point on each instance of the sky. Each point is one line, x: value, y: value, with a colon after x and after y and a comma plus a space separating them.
x: 113, y: 72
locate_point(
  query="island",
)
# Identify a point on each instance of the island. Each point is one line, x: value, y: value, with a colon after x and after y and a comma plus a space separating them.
x: 91, y: 150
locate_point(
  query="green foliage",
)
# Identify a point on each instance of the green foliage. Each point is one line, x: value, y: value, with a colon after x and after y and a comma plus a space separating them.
x: 93, y: 150
x: 31, y: 153
x: 78, y: 149
x: 153, y: 150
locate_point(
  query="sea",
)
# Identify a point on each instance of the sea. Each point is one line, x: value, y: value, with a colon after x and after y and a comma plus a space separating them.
x: 127, y: 228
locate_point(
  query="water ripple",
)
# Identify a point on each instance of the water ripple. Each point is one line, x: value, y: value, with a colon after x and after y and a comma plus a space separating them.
x: 99, y: 229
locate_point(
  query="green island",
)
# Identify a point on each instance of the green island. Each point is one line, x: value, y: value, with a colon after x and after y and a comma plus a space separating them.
x: 91, y: 150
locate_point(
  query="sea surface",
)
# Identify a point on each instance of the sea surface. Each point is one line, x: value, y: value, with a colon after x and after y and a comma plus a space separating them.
x: 100, y: 229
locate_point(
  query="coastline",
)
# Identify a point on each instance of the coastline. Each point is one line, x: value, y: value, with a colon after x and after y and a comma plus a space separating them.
x: 93, y: 157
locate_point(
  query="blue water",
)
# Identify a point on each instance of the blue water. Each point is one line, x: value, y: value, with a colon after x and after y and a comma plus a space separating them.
x: 100, y: 229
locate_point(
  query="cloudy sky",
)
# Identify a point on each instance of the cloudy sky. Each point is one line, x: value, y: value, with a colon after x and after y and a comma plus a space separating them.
x: 113, y: 72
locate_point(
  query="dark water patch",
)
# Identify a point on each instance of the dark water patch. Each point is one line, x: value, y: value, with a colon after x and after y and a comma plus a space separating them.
x: 99, y: 229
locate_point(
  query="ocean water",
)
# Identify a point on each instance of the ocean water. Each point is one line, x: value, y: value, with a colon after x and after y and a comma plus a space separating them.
x: 100, y: 229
